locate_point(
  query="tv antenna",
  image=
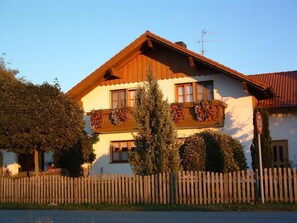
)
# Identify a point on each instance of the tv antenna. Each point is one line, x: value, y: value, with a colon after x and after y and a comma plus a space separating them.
x: 203, y: 41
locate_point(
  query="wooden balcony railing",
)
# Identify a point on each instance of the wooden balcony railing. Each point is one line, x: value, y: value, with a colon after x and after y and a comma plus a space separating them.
x: 188, y: 122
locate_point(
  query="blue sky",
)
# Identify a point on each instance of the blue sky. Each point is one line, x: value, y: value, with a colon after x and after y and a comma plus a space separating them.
x: 68, y: 39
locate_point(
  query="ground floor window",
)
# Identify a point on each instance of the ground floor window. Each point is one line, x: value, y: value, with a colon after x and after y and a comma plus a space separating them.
x: 120, y: 151
x: 280, y: 153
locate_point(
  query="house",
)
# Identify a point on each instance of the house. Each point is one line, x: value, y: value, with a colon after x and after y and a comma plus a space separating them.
x: 184, y: 77
x: 282, y: 115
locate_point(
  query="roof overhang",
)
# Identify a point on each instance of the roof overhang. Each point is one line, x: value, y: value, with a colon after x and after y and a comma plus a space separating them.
x: 149, y: 40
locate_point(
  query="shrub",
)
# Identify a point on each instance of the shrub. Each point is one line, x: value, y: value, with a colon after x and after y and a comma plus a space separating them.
x: 217, y: 152
x: 193, y: 153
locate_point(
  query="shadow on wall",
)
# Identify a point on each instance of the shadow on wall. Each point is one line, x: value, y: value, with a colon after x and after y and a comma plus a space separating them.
x: 240, y: 129
x: 235, y: 126
x: 102, y: 165
x: 99, y: 165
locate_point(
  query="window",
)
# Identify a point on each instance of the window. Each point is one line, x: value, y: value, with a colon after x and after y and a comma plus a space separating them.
x: 131, y: 97
x: 184, y: 93
x: 197, y: 91
x: 205, y: 91
x: 120, y: 151
x: 280, y: 153
x: 119, y: 98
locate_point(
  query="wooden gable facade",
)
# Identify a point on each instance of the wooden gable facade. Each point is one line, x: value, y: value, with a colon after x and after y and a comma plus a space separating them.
x: 167, y: 60
x: 164, y: 63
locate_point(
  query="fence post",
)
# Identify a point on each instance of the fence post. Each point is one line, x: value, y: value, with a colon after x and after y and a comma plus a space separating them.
x: 172, y: 187
x: 256, y: 185
x: 75, y: 191
x: 225, y: 199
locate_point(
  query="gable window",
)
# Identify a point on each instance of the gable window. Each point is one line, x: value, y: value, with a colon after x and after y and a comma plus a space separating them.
x: 205, y: 90
x: 120, y: 151
x: 122, y: 98
x: 184, y: 93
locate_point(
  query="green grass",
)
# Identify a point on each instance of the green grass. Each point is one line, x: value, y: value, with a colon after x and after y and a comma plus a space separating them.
x: 146, y: 207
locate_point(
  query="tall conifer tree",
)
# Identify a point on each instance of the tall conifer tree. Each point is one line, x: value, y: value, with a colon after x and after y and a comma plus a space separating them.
x: 265, y: 142
x: 156, y: 143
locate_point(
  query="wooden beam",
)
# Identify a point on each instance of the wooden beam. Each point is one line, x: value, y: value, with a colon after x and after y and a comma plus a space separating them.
x: 192, y: 63
x: 149, y: 43
x: 115, y: 72
x: 245, y: 87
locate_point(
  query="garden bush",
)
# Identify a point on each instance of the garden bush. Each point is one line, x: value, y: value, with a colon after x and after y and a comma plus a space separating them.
x: 193, y: 154
x: 212, y: 151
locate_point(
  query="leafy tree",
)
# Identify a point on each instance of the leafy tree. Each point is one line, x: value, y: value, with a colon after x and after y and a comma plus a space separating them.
x: 265, y: 142
x: 72, y: 158
x: 156, y: 145
x: 212, y: 151
x: 36, y: 118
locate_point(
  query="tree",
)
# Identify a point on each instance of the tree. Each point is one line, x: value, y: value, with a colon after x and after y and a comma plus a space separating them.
x: 156, y: 145
x: 36, y: 118
x: 72, y: 158
x: 265, y: 142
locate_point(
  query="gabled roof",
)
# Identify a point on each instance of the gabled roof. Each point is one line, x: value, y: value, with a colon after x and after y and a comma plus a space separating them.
x: 284, y: 85
x: 145, y: 42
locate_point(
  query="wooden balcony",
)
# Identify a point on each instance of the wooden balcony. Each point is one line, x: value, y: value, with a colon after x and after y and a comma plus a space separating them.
x: 188, y: 122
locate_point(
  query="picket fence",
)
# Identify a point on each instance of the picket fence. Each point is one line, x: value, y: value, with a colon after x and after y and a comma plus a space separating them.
x: 193, y: 188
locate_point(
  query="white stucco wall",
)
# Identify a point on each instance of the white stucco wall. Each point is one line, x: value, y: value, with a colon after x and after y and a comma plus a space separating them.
x: 238, y: 116
x: 102, y: 150
x: 283, y: 126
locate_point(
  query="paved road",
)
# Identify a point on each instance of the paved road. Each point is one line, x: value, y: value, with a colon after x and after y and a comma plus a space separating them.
x: 23, y: 216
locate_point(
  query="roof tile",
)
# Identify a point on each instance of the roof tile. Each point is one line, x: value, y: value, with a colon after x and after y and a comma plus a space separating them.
x: 284, y: 85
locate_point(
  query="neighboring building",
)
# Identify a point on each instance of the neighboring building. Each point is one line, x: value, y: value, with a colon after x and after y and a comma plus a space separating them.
x: 185, y: 77
x: 282, y: 115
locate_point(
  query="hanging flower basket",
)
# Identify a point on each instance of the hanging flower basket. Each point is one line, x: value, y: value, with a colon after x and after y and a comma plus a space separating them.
x: 119, y: 115
x: 96, y: 119
x: 177, y: 112
x: 204, y: 111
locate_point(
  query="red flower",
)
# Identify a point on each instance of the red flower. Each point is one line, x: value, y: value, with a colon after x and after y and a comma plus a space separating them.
x: 204, y: 111
x: 177, y: 112
x: 96, y: 119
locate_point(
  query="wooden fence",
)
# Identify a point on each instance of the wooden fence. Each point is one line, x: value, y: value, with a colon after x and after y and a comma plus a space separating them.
x: 280, y: 185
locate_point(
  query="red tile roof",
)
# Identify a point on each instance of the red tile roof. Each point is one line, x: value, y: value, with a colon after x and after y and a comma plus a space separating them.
x: 284, y: 85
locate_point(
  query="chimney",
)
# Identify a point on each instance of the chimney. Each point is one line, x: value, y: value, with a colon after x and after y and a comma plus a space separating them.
x: 182, y: 44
